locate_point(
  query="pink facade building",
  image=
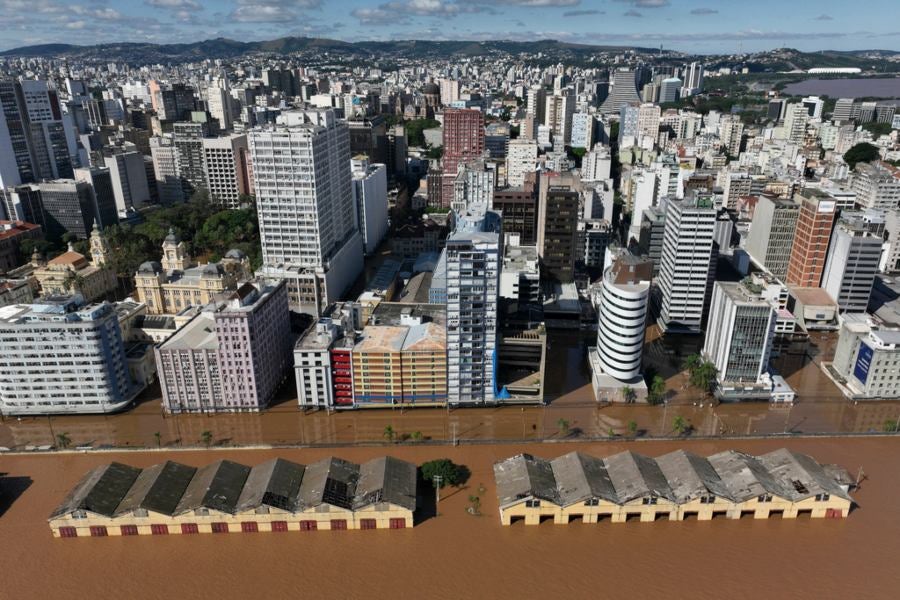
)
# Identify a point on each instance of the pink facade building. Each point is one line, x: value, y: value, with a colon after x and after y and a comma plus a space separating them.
x: 232, y: 356
x: 463, y: 141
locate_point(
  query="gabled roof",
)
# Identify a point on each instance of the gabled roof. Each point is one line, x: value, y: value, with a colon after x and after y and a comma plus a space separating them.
x: 691, y: 476
x: 525, y: 476
x: 158, y: 488
x: 274, y: 483
x: 744, y: 476
x: 800, y: 475
x: 100, y: 491
x: 216, y: 486
x: 328, y: 481
x: 386, y: 479
x: 580, y: 477
x: 635, y: 476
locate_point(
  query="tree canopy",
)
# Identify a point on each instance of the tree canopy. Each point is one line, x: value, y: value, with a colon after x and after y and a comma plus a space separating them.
x: 450, y: 472
x: 863, y: 152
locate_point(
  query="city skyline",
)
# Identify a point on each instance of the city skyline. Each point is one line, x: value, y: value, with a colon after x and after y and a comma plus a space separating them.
x: 698, y: 26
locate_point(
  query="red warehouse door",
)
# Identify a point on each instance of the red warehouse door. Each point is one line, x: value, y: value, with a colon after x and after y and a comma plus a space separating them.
x: 159, y: 529
x: 368, y: 524
x: 338, y: 524
x: 308, y: 526
x: 189, y: 528
x: 398, y: 523
x: 279, y: 526
x: 98, y: 531
x: 249, y: 527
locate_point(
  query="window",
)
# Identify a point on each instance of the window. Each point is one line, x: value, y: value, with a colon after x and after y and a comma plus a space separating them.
x: 338, y: 524
x: 764, y: 498
x: 707, y: 499
x: 220, y: 527
x: 398, y: 523
x: 189, y: 528
x: 279, y: 526
x: 159, y: 529
x: 368, y: 524
x: 592, y: 502
x: 308, y: 525
x: 532, y: 503
x: 249, y: 527
x: 98, y: 531
x: 649, y: 500
x: 68, y: 532
x: 823, y: 497
x: 129, y: 530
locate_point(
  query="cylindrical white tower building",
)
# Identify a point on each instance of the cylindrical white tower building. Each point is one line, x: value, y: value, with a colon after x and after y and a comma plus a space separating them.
x: 624, y: 295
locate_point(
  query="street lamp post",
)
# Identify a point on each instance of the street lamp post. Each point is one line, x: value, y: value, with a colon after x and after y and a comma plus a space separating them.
x: 438, y: 479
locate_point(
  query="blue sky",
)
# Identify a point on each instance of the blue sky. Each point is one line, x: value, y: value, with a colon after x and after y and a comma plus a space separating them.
x: 704, y: 26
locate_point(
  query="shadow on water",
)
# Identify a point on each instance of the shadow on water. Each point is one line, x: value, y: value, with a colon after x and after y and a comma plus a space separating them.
x: 10, y: 490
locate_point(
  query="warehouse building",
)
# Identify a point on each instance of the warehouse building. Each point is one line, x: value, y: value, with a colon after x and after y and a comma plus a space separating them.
x: 680, y: 485
x: 275, y: 496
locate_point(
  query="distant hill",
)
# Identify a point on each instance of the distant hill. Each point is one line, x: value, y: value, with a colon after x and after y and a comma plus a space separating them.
x: 226, y: 48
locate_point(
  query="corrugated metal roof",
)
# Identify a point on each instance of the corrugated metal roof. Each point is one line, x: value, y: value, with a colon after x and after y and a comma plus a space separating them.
x: 216, y: 486
x: 386, y: 479
x: 274, y: 483
x: 744, y: 476
x: 158, y: 488
x: 802, y: 476
x: 525, y: 476
x: 328, y: 481
x: 100, y: 491
x: 691, y: 476
x: 580, y: 477
x: 635, y: 476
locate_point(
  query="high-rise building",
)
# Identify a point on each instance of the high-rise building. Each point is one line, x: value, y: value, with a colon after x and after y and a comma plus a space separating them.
x: 853, y: 257
x: 475, y: 183
x: 37, y: 140
x: 686, y: 263
x: 810, y: 248
x: 536, y: 103
x: 625, y: 91
x: 227, y: 163
x: 473, y: 287
x: 449, y: 91
x: 165, y: 170
x: 304, y: 196
x: 463, y: 139
x: 669, y: 89
x: 231, y: 356
x: 731, y: 133
x: 219, y: 103
x: 190, y: 156
x: 597, y: 164
x: 693, y: 80
x: 519, y: 207
x: 100, y: 180
x: 739, y: 335
x: 59, y: 356
x: 584, y: 126
x: 521, y: 158
x: 558, y: 116
x: 772, y: 234
x: 128, y: 171
x: 796, y: 119
x: 68, y: 207
x: 622, y: 310
x: 876, y: 185
x: 370, y: 197
x: 557, y: 226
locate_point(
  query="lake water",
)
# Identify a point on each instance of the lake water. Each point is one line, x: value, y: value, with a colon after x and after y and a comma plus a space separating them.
x: 847, y: 88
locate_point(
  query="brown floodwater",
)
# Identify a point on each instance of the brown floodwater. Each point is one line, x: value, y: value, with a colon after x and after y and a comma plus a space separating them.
x: 456, y: 555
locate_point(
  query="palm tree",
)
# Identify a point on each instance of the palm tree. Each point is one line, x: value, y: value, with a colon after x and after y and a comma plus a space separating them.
x: 206, y: 438
x: 63, y: 440
x: 679, y: 425
x: 389, y: 433
x: 629, y: 394
x: 657, y: 389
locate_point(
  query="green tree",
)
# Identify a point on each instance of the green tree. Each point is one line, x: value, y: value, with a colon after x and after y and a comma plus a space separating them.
x: 890, y: 426
x: 679, y: 425
x: 63, y: 440
x: 863, y: 152
x: 629, y: 394
x: 702, y: 373
x: 450, y: 473
x: 389, y: 434
x: 632, y: 427
x: 158, y: 437
x: 657, y: 392
x: 878, y: 129
x: 417, y: 436
x: 206, y: 438
x: 474, y: 505
x: 563, y: 426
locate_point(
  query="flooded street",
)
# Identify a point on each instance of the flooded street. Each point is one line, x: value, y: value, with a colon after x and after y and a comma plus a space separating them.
x: 457, y: 555
x: 820, y: 409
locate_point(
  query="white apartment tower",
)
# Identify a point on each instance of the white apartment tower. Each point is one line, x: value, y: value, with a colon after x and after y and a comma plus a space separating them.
x: 685, y: 263
x: 370, y: 197
x: 853, y: 257
x: 227, y: 170
x: 473, y: 286
x: 307, y: 217
x: 521, y: 158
